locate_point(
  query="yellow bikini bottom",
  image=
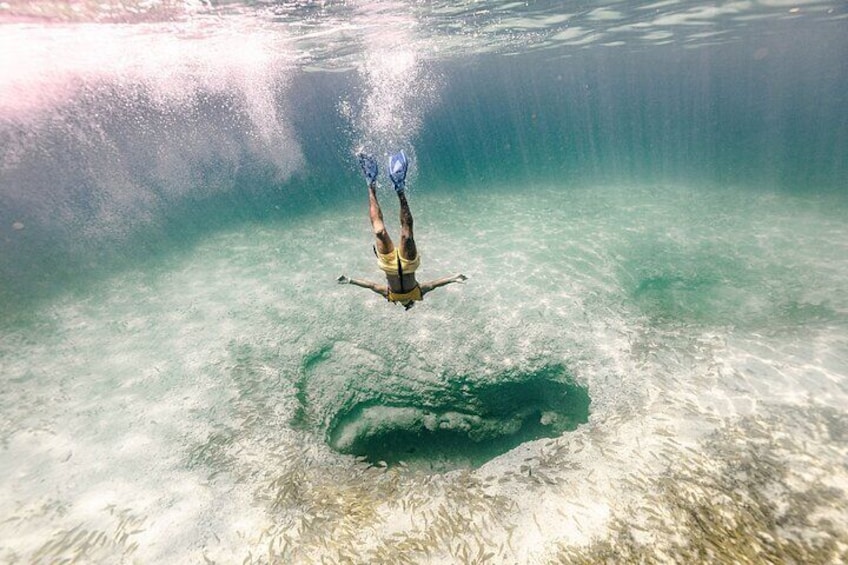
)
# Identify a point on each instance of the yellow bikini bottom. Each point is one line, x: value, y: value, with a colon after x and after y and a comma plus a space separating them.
x: 389, y: 263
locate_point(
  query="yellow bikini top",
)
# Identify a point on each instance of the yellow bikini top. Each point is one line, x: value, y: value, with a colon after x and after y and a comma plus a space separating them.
x: 414, y: 294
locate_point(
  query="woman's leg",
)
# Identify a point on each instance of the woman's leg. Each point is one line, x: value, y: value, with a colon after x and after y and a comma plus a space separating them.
x: 384, y: 242
x: 407, y: 241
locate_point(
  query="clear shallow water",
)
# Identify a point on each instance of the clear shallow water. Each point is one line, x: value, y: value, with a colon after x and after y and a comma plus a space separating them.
x: 181, y: 371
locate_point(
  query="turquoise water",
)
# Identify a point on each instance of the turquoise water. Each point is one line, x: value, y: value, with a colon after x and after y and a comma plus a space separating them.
x: 649, y: 354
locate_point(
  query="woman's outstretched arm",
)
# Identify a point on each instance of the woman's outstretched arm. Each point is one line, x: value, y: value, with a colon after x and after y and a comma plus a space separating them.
x: 382, y: 290
x: 430, y: 285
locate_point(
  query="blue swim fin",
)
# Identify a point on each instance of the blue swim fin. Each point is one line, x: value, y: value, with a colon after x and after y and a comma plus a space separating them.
x: 397, y: 171
x: 368, y: 166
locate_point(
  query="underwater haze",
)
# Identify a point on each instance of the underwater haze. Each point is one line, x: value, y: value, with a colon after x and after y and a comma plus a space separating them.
x: 647, y: 363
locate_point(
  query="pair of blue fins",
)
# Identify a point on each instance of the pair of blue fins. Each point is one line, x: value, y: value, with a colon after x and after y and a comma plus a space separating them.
x: 397, y: 169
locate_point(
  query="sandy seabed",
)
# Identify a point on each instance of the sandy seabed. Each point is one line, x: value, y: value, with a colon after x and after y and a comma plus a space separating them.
x: 181, y: 411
